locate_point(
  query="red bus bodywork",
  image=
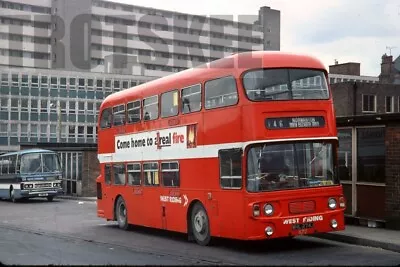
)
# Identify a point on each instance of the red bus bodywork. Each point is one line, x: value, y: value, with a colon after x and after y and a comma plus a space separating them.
x: 231, y: 213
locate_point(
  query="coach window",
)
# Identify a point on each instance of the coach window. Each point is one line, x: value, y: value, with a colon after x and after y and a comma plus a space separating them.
x: 107, y: 173
x: 106, y: 118
x: 221, y: 92
x: 119, y: 115
x: 12, y: 164
x: 191, y: 99
x: 150, y: 171
x: 170, y: 174
x: 150, y: 108
x: 119, y: 174
x: 169, y: 104
x: 134, y: 112
x: 134, y: 174
x: 231, y: 168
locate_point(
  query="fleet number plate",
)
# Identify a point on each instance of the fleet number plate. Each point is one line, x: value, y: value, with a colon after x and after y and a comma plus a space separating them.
x: 301, y: 226
x: 43, y: 195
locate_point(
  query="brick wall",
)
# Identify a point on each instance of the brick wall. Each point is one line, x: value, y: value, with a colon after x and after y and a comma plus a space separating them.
x: 393, y: 176
x: 91, y: 170
x: 343, y: 97
x: 351, y: 68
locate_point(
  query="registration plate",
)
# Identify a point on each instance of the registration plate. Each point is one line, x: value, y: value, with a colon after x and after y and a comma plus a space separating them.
x: 301, y: 226
x: 43, y: 195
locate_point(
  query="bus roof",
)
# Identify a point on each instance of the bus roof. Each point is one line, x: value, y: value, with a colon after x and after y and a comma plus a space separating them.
x: 27, y: 151
x: 218, y: 68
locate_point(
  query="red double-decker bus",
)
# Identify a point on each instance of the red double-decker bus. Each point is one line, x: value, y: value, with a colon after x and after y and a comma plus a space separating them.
x: 244, y: 147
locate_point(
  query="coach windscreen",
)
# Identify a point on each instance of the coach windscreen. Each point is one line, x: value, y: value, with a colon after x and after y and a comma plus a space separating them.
x: 285, y: 84
x: 290, y: 166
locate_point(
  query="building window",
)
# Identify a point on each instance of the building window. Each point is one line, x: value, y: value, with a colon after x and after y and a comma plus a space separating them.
x: 369, y: 103
x: 389, y: 101
x: 371, y: 155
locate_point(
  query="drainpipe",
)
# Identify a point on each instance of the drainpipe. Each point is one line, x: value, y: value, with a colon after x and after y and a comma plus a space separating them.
x: 355, y: 86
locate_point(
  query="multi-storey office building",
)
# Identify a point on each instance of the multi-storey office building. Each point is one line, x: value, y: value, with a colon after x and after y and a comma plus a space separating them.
x: 39, y: 105
x: 103, y: 36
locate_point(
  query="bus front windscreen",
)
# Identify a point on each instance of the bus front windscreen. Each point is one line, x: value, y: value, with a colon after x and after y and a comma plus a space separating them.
x: 40, y: 162
x: 285, y: 84
x: 290, y: 166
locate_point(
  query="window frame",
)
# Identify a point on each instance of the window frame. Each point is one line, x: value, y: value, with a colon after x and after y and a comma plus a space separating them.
x: 220, y: 78
x: 161, y: 103
x: 118, y: 112
x: 375, y: 103
x: 139, y: 108
x: 201, y: 98
x: 102, y: 116
x: 113, y: 173
x: 234, y: 150
x: 391, y: 104
x: 170, y: 170
x: 151, y: 170
x: 158, y: 107
x: 140, y: 171
x: 109, y: 180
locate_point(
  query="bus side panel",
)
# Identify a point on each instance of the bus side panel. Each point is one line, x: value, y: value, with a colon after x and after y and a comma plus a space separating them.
x: 137, y: 209
x: 217, y: 131
x: 106, y: 204
x: 223, y: 125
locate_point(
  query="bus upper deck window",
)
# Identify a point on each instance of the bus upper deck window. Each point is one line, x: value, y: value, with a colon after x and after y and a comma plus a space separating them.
x: 106, y: 118
x: 191, y: 99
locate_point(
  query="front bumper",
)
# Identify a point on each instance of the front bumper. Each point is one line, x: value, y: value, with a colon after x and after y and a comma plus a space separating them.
x: 42, y: 193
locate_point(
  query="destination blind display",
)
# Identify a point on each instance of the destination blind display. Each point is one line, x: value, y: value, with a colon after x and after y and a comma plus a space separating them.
x: 295, y: 122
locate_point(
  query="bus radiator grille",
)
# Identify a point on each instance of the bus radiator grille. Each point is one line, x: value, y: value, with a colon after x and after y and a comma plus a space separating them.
x: 302, y: 207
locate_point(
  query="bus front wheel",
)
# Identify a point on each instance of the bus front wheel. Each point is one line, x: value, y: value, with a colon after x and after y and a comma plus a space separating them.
x: 200, y: 225
x: 121, y: 213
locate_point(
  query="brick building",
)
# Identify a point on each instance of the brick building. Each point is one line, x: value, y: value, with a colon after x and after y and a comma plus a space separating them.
x: 368, y: 120
x: 390, y: 70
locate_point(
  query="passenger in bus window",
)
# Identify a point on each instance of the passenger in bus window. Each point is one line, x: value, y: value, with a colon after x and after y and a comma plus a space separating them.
x: 146, y: 116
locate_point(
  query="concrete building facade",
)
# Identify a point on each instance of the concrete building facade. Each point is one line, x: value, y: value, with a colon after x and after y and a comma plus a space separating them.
x: 104, y: 36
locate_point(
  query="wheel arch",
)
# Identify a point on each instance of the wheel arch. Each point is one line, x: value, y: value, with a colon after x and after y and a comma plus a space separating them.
x: 189, y: 214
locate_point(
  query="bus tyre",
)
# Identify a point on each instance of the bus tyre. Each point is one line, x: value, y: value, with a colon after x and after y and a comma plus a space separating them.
x: 50, y: 198
x: 200, y: 225
x: 121, y: 213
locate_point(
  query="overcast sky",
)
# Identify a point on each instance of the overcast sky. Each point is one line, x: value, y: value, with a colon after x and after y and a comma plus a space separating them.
x: 356, y: 30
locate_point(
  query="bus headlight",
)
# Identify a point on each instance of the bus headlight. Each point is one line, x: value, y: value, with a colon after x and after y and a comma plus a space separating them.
x: 332, y: 203
x: 268, y: 209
